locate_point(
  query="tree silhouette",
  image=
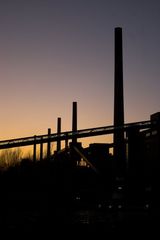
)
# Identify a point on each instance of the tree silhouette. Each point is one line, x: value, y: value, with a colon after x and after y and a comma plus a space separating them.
x: 10, y: 157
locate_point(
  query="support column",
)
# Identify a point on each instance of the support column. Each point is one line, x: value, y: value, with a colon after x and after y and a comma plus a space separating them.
x: 66, y: 141
x: 34, y: 149
x: 41, y: 149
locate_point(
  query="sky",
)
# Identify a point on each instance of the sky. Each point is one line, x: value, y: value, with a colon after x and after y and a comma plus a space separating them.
x: 55, y: 52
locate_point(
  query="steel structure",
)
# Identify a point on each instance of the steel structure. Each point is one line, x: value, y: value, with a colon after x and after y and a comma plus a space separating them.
x: 63, y: 136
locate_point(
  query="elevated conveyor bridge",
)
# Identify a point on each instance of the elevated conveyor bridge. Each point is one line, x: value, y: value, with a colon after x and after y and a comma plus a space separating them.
x: 83, y: 133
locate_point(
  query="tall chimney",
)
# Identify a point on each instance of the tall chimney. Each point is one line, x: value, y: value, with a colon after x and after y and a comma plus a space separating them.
x: 58, y: 132
x: 119, y: 144
x: 74, y: 121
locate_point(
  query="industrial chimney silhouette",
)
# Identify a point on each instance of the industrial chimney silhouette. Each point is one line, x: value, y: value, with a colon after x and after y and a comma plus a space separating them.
x: 74, y: 121
x: 118, y: 138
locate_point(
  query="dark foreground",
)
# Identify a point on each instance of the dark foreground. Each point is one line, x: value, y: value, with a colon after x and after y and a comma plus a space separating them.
x: 57, y: 202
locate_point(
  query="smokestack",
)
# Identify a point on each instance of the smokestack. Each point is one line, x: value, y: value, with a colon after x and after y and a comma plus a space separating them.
x: 58, y: 132
x: 74, y: 121
x: 118, y: 80
x: 49, y: 144
x: 119, y: 145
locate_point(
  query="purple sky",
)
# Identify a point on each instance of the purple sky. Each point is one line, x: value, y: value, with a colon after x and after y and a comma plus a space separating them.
x: 54, y: 52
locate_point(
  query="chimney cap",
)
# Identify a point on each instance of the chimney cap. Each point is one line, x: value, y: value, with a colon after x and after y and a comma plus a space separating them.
x: 118, y: 28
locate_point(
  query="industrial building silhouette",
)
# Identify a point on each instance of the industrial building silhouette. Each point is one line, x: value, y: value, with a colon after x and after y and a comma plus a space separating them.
x: 90, y: 186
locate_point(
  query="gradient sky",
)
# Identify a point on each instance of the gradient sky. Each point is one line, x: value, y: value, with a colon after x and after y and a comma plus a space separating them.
x: 54, y: 52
